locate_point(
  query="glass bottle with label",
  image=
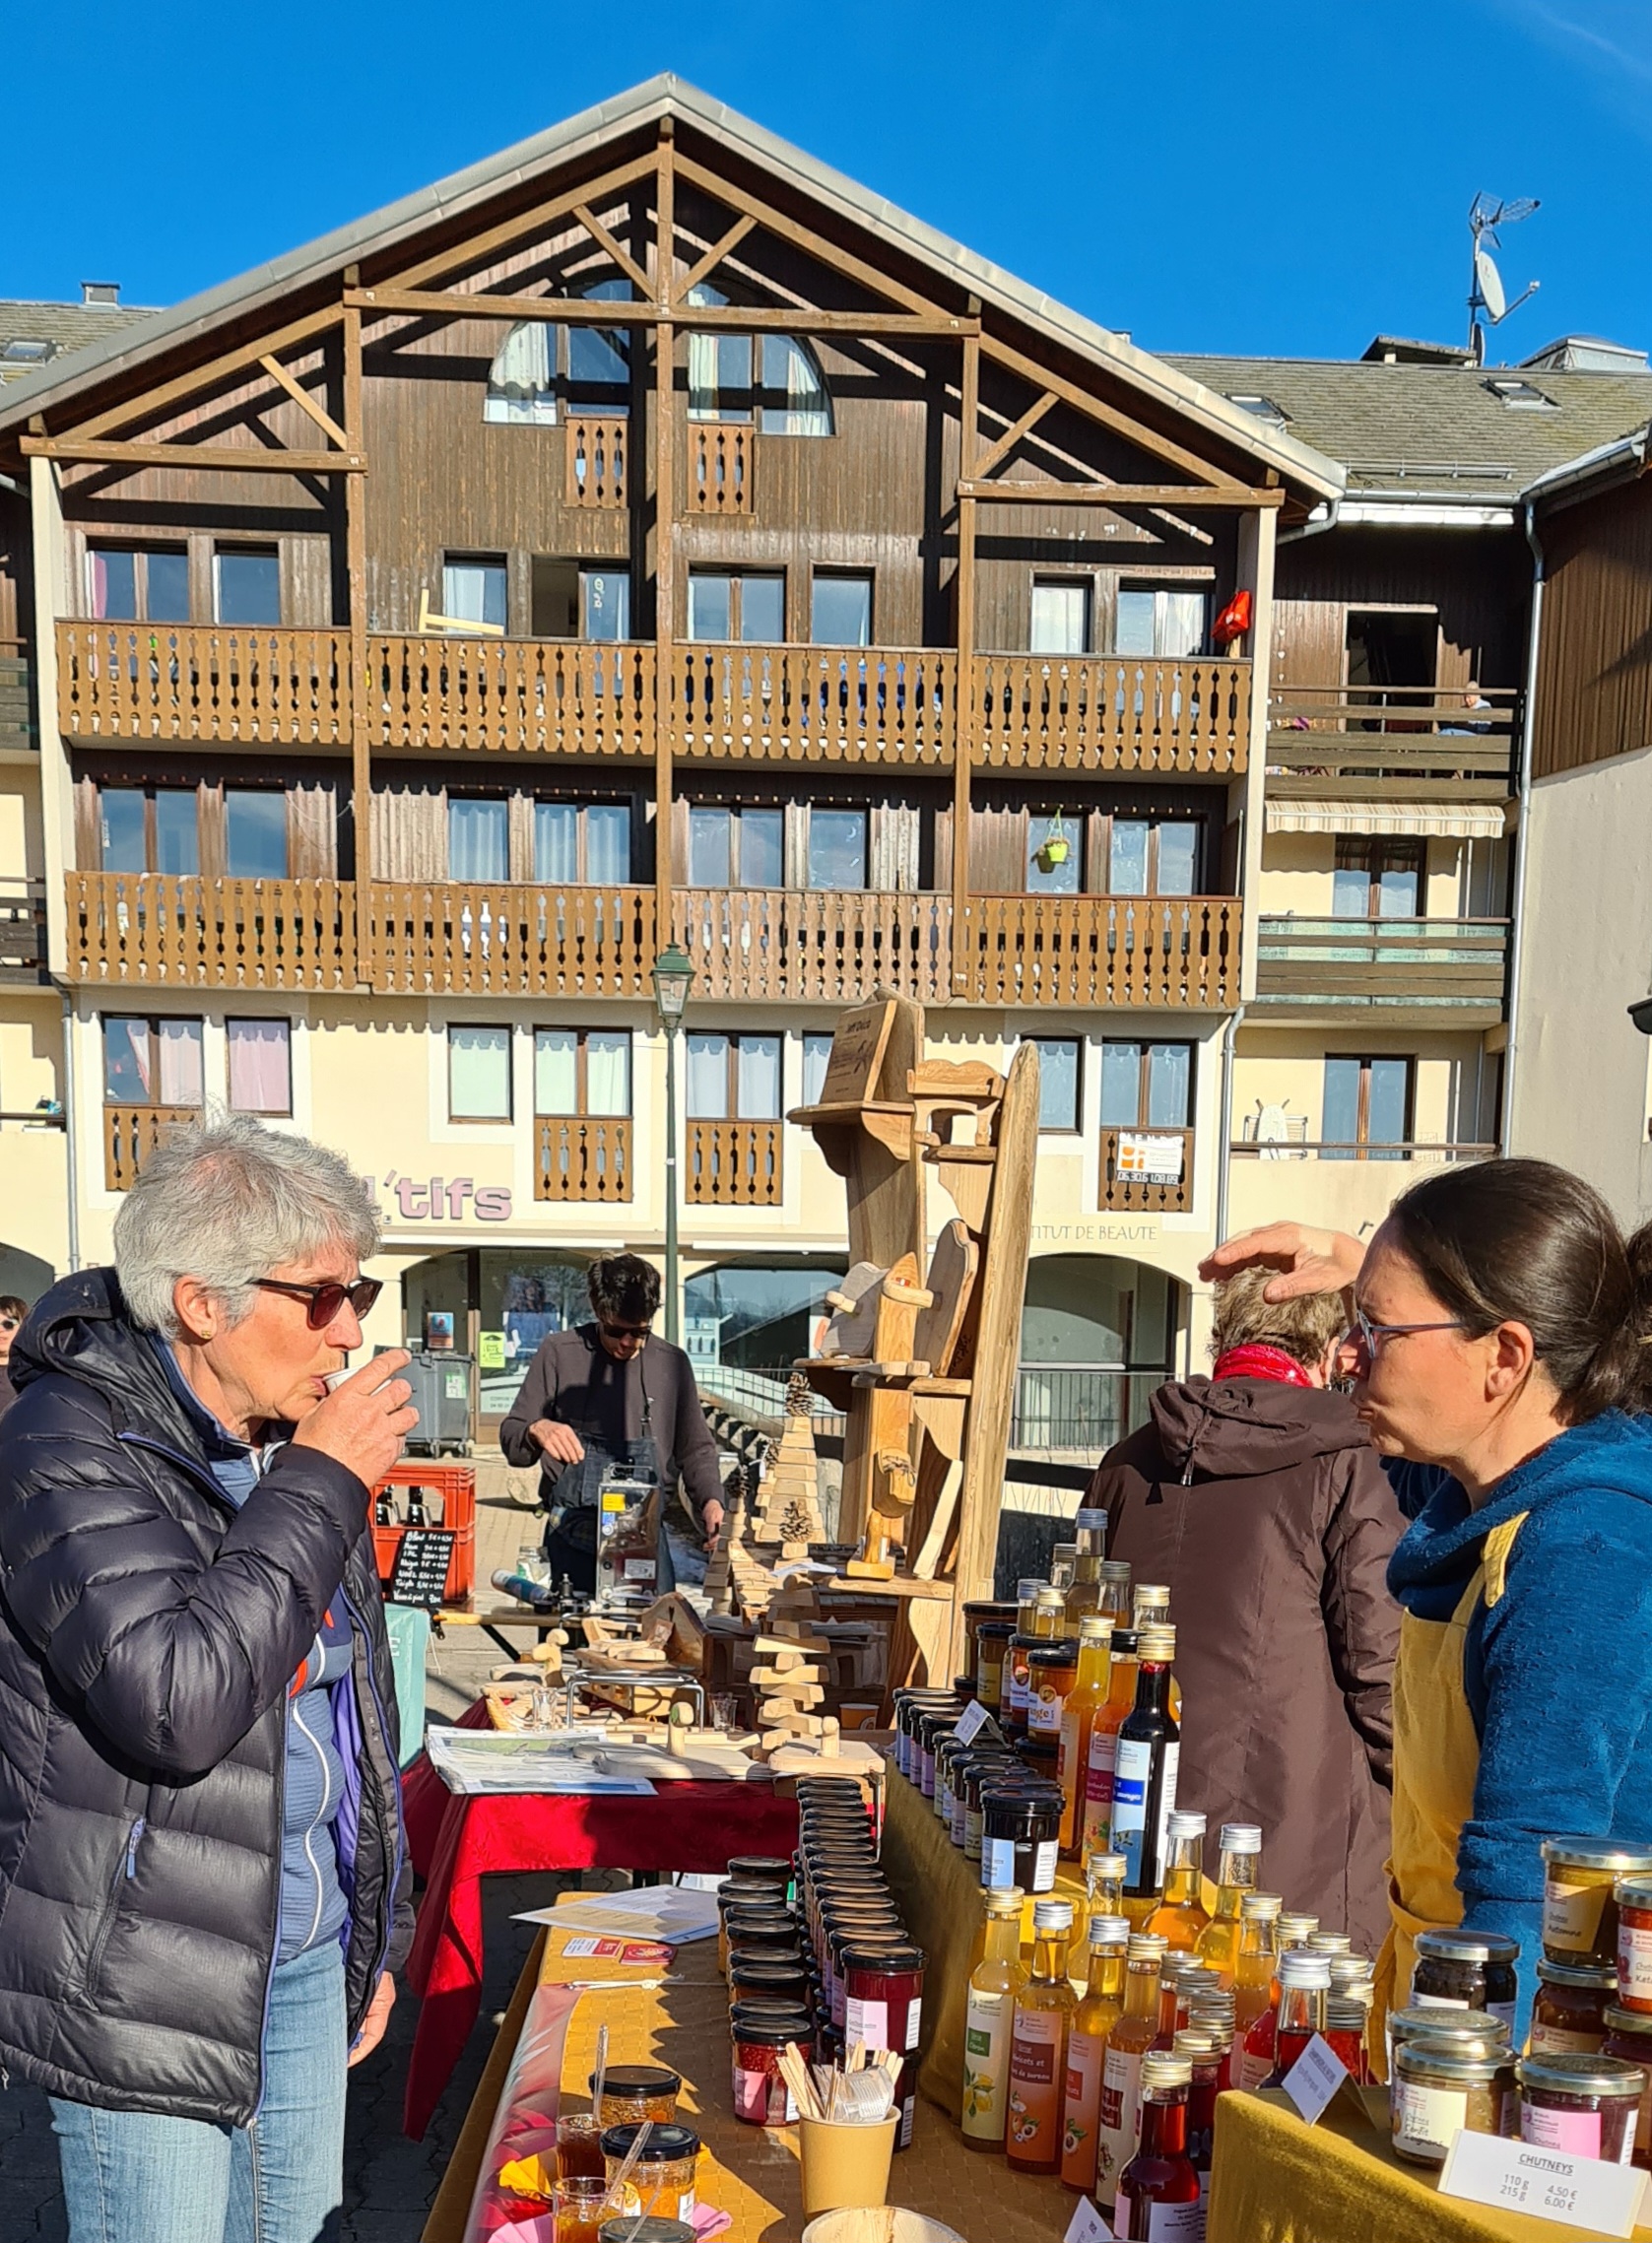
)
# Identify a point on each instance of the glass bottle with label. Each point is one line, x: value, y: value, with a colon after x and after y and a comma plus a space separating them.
x: 1104, y: 1884
x: 1100, y: 2009
x: 997, y: 1979
x: 1304, y: 1984
x: 1181, y: 1918
x: 1115, y: 1590
x: 1254, y: 1989
x: 1121, y: 2064
x: 1150, y: 1605
x: 1159, y: 2199
x: 1090, y: 1529
x: 1085, y: 1702
x: 1219, y: 1942
x: 1105, y: 1723
x: 1145, y: 1774
x: 1203, y: 2050
x: 1042, y: 2018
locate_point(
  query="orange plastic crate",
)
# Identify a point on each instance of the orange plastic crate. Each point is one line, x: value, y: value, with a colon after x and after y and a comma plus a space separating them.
x: 455, y: 1485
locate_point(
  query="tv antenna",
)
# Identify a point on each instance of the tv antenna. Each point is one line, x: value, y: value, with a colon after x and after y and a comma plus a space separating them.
x: 1489, y: 306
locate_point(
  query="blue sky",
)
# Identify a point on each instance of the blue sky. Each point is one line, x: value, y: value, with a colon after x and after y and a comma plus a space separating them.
x: 1209, y: 176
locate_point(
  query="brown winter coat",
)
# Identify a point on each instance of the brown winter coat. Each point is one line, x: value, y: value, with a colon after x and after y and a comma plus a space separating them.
x: 1271, y: 1520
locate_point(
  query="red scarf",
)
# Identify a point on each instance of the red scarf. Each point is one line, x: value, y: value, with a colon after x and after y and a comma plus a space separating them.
x: 1259, y: 1360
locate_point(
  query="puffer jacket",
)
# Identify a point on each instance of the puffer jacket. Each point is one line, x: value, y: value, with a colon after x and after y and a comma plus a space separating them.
x: 149, y: 1632
x: 1265, y: 1511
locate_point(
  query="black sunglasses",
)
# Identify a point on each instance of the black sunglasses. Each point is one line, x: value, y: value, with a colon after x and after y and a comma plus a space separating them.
x: 325, y: 1300
x: 624, y: 1331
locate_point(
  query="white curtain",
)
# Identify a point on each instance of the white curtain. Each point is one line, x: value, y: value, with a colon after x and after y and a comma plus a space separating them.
x: 790, y: 366
x: 608, y: 1072
x: 702, y: 377
x: 180, y: 1063
x: 521, y: 381
x: 708, y: 1078
x: 477, y: 840
x: 478, y: 1074
x: 555, y: 1071
x: 759, y: 1077
x: 260, y: 1068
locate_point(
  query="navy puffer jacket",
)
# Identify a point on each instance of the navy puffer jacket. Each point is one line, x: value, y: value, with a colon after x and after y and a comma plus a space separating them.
x: 149, y: 1632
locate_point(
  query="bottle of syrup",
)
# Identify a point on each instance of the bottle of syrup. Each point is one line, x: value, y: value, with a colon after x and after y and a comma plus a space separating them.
x: 1144, y: 1775
x: 997, y: 1979
x: 1219, y: 1942
x: 1115, y: 1590
x: 1204, y: 2053
x: 1099, y: 2009
x: 1304, y: 1983
x: 1121, y: 2066
x: 1043, y: 2017
x: 1084, y: 1702
x: 1090, y: 1529
x: 1180, y: 1919
x: 1254, y: 1990
x: 1105, y: 1723
x: 1159, y: 2190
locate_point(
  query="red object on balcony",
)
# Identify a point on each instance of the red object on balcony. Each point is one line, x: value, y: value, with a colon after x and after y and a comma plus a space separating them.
x: 1234, y: 620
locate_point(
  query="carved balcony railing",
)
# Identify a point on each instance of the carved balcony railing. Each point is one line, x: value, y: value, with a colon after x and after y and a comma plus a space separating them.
x: 479, y: 940
x: 166, y: 930
x: 1110, y: 712
x: 722, y: 468
x: 582, y: 1157
x: 598, y: 451
x: 813, y: 704
x: 1137, y: 1167
x: 733, y: 1164
x: 1149, y: 951
x: 531, y: 696
x: 211, y: 682
x: 131, y: 1132
x: 802, y: 945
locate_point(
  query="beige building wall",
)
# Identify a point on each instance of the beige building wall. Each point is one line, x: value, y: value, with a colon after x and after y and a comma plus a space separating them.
x: 1298, y: 869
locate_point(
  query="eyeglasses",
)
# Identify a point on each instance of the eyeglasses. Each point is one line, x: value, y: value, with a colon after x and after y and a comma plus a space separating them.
x: 1365, y: 1334
x: 9, y: 1323
x: 325, y: 1300
x: 623, y: 1331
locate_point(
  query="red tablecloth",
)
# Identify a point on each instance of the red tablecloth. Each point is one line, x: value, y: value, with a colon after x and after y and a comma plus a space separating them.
x: 457, y: 1841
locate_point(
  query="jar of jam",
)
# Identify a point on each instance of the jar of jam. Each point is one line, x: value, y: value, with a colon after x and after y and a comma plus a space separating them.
x: 952, y: 1751
x: 1019, y: 1834
x: 1579, y: 1912
x: 1629, y: 2034
x: 980, y: 1774
x: 763, y: 1869
x: 1465, y: 1970
x: 932, y: 1727
x: 632, y: 2092
x: 1438, y: 2090
x: 883, y: 1988
x: 1633, y: 1896
x: 779, y: 1980
x: 770, y: 1932
x: 1586, y: 2106
x: 663, y: 2177
x: 760, y: 2095
x: 1474, y: 2031
x: 1051, y: 1672
x: 1568, y: 2016
x: 991, y: 1642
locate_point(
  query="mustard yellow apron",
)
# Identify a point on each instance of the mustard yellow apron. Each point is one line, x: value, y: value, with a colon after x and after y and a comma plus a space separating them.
x: 1436, y: 1758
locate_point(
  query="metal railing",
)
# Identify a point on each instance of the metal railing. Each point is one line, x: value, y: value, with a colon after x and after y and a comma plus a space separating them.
x: 1075, y: 1408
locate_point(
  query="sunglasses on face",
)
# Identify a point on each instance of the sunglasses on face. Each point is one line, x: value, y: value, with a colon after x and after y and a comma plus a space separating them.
x: 624, y: 1331
x: 324, y: 1301
x: 8, y: 1324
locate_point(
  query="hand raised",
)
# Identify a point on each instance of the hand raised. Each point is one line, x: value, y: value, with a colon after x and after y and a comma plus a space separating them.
x: 364, y: 1421
x: 1306, y: 1259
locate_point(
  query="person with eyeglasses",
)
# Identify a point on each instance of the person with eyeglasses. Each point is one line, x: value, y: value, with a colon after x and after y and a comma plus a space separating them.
x: 607, y: 1399
x: 204, y: 1892
x: 1500, y: 1357
x: 12, y: 1313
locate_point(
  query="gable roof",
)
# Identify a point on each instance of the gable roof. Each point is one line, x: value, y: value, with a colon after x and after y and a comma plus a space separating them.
x: 68, y: 327
x: 399, y: 225
x: 1435, y: 432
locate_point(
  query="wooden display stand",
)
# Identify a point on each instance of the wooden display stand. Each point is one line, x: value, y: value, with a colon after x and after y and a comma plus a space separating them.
x: 924, y: 1368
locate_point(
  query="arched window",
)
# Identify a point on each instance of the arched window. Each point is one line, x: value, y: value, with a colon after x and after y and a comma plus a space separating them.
x: 599, y: 358
x: 795, y: 400
x: 781, y: 387
x: 522, y: 379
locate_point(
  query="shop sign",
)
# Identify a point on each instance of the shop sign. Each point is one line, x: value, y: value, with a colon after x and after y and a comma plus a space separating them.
x: 489, y: 1351
x: 1150, y: 1160
x: 438, y: 1199
x: 1132, y: 1231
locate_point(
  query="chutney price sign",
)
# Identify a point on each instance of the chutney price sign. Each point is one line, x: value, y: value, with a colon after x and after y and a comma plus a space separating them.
x: 1526, y: 2176
x: 420, y: 1573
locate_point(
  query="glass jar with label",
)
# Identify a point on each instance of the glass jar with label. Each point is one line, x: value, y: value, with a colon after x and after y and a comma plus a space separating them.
x: 1579, y: 1912
x: 882, y: 2007
x: 1584, y: 2106
x: 663, y: 2177
x: 1568, y: 2016
x: 763, y: 1869
x: 1438, y: 2090
x: 760, y: 2095
x: 1465, y: 1970
x: 632, y: 2092
x: 1019, y: 1834
x: 1634, y: 1943
x: 984, y: 1772
x: 991, y: 1641
x: 774, y: 1980
x: 1051, y: 1672
x: 1476, y: 2032
x: 1629, y: 2034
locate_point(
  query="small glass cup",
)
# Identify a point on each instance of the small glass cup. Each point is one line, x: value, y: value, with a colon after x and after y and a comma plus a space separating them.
x: 579, y: 2206
x: 580, y: 2155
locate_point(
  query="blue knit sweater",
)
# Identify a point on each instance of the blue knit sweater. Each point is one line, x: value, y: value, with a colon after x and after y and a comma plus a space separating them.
x: 1558, y: 1672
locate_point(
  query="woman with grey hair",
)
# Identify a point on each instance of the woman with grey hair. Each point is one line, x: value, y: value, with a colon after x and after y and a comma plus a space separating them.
x: 203, y: 1891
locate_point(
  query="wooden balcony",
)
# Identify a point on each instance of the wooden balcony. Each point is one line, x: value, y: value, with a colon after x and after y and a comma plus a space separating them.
x: 23, y: 931
x: 211, y: 683
x: 598, y: 449
x: 733, y: 1164
x: 425, y: 937
x: 17, y: 724
x: 801, y: 945
x: 1094, y: 950
x: 130, y: 1133
x: 513, y: 695
x: 1127, y: 1186
x: 159, y: 930
x: 1412, y: 740
x: 1109, y: 712
x: 582, y: 1157
x: 1450, y: 972
x: 722, y: 461
x: 814, y: 705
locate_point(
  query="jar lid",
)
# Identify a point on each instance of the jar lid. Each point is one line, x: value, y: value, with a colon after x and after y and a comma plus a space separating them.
x: 766, y: 1921
x: 766, y: 1971
x: 986, y: 1608
x: 630, y: 2230
x: 1634, y: 1892
x: 1467, y: 1946
x: 1598, y: 1853
x: 1626, y: 2020
x: 1581, y: 2075
x: 771, y: 2028
x: 1000, y: 1631
x: 759, y: 1866
x: 1061, y: 1654
x: 1592, y: 1977
x: 664, y: 2146
x: 639, y: 2080
x: 1434, y: 2059
x: 890, y: 1962
x: 1420, y: 2022
x: 746, y: 1894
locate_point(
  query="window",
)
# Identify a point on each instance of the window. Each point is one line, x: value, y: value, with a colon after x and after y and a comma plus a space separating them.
x: 599, y: 362
x: 479, y: 1075
x: 1054, y: 854
x: 1149, y: 856
x: 150, y: 1061
x: 817, y: 1056
x: 726, y: 607
x: 1377, y: 880
x: 260, y: 1065
x: 788, y: 397
x: 138, y: 583
x: 1147, y: 1085
x: 475, y: 591
x: 1058, y: 1083
x: 150, y: 830
x: 1163, y: 623
x: 734, y: 1078
x: 837, y: 848
x: 589, y: 842
x: 604, y: 604
x: 582, y: 1071
x: 477, y: 839
x: 1260, y: 407
x: 1368, y: 1104
x: 255, y: 834
x: 247, y: 585
x: 1060, y: 616
x: 1521, y: 396
x: 794, y: 398
x: 842, y: 614
x: 28, y: 351
x: 735, y: 848
x: 522, y: 379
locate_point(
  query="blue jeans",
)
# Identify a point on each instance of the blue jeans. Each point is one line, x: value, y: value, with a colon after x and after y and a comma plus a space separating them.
x: 142, y: 2177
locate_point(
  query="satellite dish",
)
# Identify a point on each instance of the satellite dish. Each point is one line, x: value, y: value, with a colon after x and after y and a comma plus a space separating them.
x: 1490, y: 283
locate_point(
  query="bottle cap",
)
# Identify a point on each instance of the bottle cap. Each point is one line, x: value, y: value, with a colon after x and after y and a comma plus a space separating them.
x: 1294, y: 1930
x: 1114, y: 1868
x: 1157, y: 1643
x: 1146, y: 1946
x: 1264, y: 1904
x: 1003, y: 1899
x: 1180, y: 1826
x: 1086, y: 1521
x: 1193, y: 2041
x: 1115, y: 1570
x: 1241, y: 1837
x: 1330, y: 1943
x: 1056, y: 1916
x: 1299, y: 1967
x: 1052, y: 1600
x: 1094, y: 1627
x: 1109, y: 1931
x: 1215, y: 2013
x: 1162, y: 2070
x: 1351, y: 1972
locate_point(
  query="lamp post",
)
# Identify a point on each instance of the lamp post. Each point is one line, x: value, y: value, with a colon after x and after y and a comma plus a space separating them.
x: 673, y: 977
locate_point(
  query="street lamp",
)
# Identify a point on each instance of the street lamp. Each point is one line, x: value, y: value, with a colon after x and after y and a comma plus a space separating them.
x: 674, y: 975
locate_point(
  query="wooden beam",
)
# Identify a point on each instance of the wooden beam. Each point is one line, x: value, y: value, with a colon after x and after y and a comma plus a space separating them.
x: 963, y: 728
x: 804, y: 319
x: 153, y: 405
x: 1097, y: 409
x: 1011, y: 438
x: 454, y: 304
x: 1170, y: 494
x: 665, y: 529
x: 206, y: 459
x: 605, y: 240
x: 302, y: 397
x: 465, y: 256
x: 356, y: 563
x: 713, y: 257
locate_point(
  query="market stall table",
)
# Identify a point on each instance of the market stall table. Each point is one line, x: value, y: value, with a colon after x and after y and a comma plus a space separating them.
x: 456, y: 1840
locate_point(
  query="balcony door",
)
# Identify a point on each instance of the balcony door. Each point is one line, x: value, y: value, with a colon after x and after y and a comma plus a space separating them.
x: 1391, y: 660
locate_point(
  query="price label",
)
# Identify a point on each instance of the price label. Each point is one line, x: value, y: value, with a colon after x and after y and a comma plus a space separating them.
x: 971, y: 1721
x: 420, y: 1573
x: 1314, y: 2078
x: 1087, y: 2224
x: 1523, y: 2176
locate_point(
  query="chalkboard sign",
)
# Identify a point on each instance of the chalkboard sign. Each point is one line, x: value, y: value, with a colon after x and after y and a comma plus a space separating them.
x: 420, y: 1574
